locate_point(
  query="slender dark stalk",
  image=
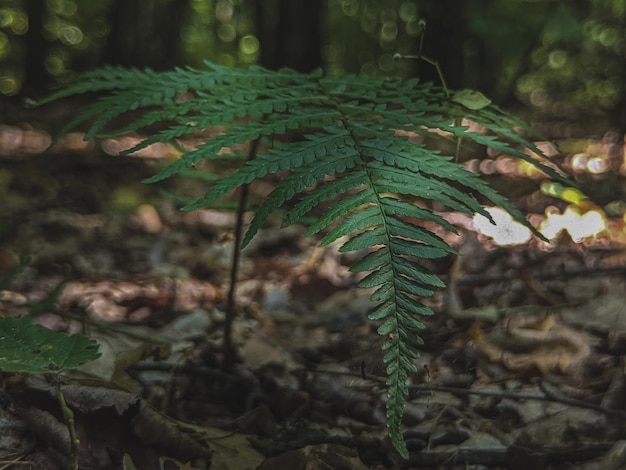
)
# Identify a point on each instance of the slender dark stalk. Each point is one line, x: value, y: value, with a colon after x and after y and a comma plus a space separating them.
x: 421, y: 56
x: 68, y: 417
x: 230, y: 354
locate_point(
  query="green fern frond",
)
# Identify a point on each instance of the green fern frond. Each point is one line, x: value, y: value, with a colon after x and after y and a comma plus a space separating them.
x: 340, y: 148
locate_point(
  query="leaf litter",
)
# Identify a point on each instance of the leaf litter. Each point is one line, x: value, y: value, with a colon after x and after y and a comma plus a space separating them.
x: 522, y: 365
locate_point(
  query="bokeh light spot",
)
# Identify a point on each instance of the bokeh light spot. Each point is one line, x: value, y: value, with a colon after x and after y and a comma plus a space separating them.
x: 608, y: 37
x: 20, y: 24
x: 224, y: 10
x: 598, y: 165
x: 249, y: 44
x: 557, y: 59
x: 350, y: 7
x: 227, y: 32
x: 55, y: 65
x: 9, y: 85
x: 408, y: 11
x: 389, y: 31
x: 71, y: 35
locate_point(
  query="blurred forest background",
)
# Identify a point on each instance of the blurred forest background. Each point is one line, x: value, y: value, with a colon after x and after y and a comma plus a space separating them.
x: 564, y: 59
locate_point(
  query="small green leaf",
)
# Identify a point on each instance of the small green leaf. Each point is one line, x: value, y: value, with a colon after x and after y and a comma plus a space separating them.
x: 471, y: 99
x: 28, y: 347
x: 371, y: 261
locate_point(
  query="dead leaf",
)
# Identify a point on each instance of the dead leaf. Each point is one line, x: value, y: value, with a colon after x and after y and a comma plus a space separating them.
x: 533, y: 343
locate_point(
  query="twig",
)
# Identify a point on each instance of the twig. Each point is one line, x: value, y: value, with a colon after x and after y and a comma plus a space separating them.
x: 548, y: 396
x: 428, y: 60
x: 230, y: 354
x: 498, y: 456
x: 520, y: 396
x: 68, y: 417
x: 479, y: 279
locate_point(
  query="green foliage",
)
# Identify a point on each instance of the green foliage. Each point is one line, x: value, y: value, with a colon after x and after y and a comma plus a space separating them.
x: 31, y: 348
x: 339, y: 140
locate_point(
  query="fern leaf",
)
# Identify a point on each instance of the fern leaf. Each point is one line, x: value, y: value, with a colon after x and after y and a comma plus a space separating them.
x: 353, y: 162
x: 314, y: 198
x: 364, y: 240
x: 370, y: 262
x: 403, y: 229
x: 400, y: 246
x: 360, y: 220
x: 395, y: 206
x: 315, y: 147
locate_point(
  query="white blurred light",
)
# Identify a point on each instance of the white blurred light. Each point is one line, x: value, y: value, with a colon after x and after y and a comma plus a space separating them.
x: 579, y: 162
x: 579, y: 226
x: 506, y: 231
x: 598, y: 165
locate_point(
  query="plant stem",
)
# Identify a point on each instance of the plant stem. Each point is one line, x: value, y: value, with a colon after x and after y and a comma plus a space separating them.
x: 230, y: 354
x: 68, y: 417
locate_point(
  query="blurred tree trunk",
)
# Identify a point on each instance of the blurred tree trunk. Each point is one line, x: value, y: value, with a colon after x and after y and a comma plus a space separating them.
x: 290, y: 33
x: 146, y: 33
x: 34, y: 70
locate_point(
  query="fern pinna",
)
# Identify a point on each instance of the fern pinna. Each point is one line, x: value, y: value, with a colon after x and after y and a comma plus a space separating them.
x: 355, y: 152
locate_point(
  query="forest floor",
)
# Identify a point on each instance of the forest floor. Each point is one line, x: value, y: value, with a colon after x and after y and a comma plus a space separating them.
x: 522, y: 365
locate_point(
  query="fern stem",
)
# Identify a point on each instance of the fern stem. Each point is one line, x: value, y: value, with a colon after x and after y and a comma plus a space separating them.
x: 230, y: 354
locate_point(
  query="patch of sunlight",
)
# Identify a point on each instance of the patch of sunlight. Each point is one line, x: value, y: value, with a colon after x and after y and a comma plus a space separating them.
x: 578, y: 225
x: 506, y: 231
x: 599, y: 165
x: 567, y: 194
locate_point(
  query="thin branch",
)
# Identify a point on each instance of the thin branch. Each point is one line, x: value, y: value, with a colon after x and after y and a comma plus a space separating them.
x: 70, y: 423
x: 230, y: 354
x: 479, y: 279
x: 428, y: 60
x: 548, y: 396
x: 501, y: 456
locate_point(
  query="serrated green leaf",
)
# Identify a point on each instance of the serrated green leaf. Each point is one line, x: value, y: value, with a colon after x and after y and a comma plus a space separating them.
x: 411, y: 287
x: 382, y: 311
x: 371, y: 261
x: 400, y: 246
x: 400, y: 228
x: 326, y: 192
x: 383, y: 294
x: 412, y: 306
x: 471, y: 99
x: 359, y: 220
x: 363, y: 240
x: 343, y: 207
x: 377, y: 278
x: 408, y: 336
x: 415, y: 271
x: 30, y: 348
x: 388, y: 326
x: 393, y: 206
x: 409, y: 321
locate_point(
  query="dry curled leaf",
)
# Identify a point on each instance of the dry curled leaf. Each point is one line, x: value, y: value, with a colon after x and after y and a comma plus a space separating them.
x: 533, y: 343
